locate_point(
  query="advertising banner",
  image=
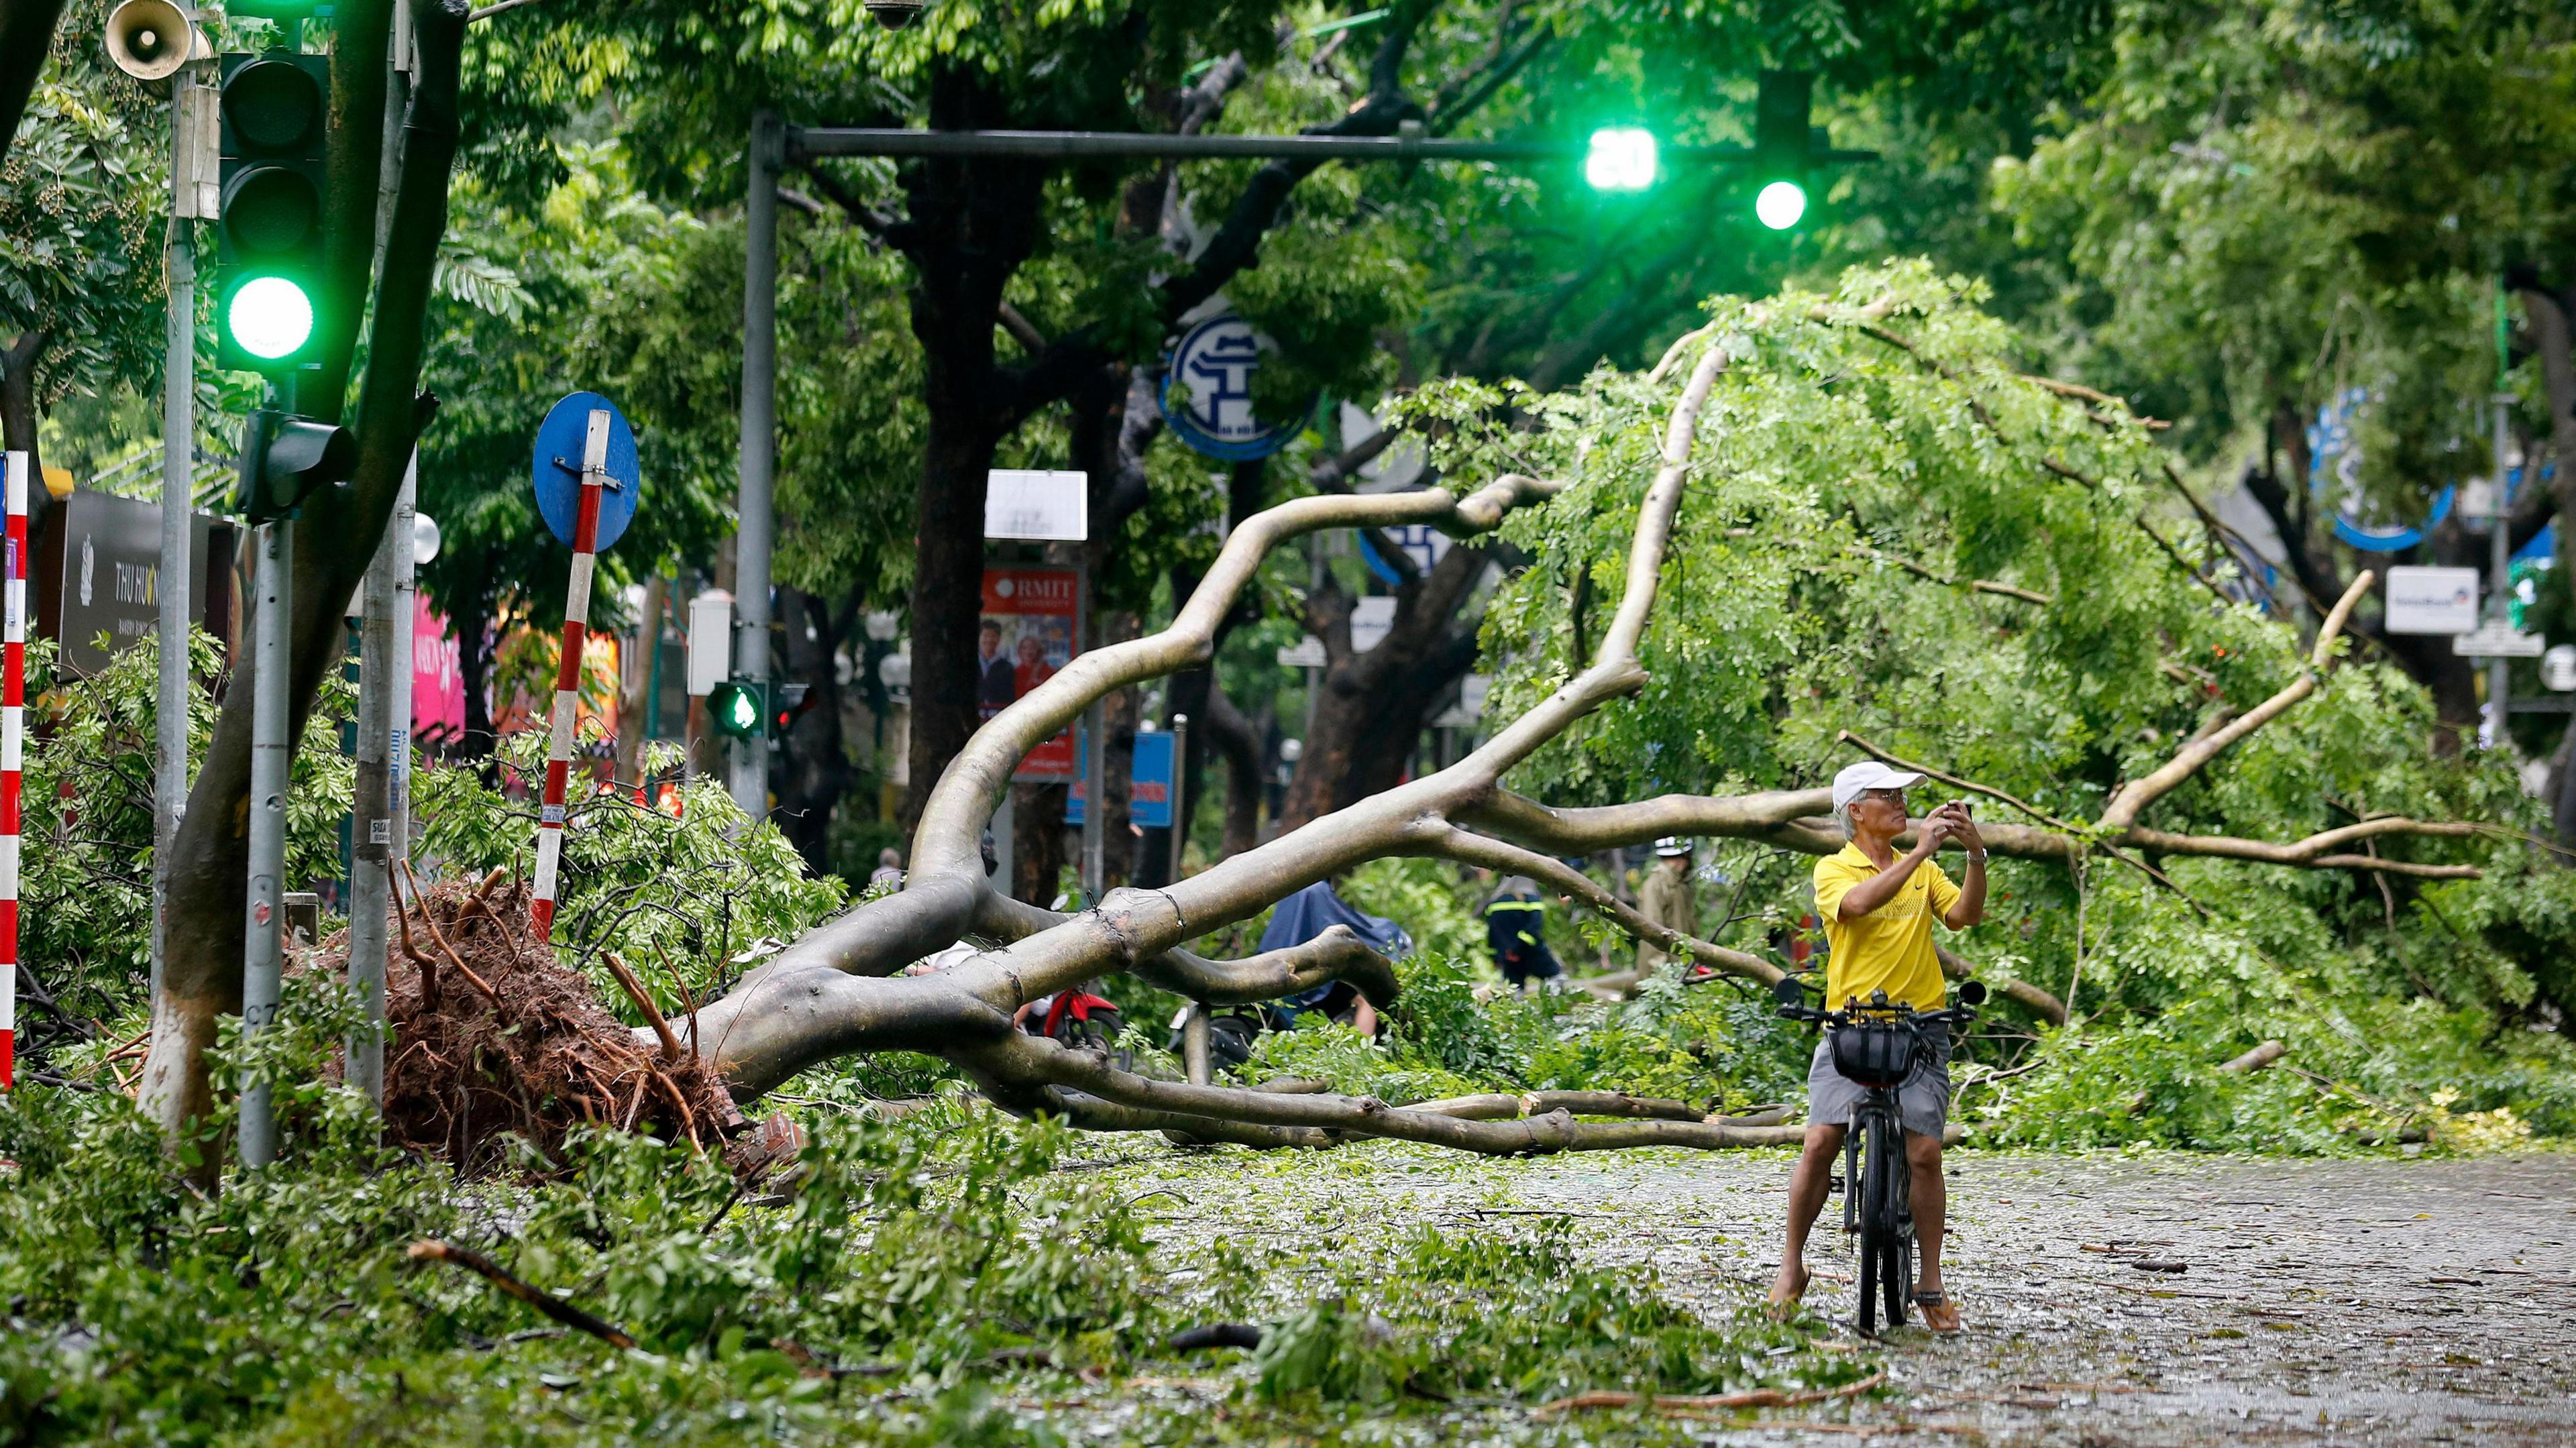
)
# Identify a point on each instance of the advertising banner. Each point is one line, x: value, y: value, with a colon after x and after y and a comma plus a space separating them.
x: 100, y: 575
x: 1030, y: 628
x: 437, y: 678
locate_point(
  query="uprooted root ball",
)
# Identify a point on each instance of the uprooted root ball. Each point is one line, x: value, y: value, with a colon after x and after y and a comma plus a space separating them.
x: 490, y: 1035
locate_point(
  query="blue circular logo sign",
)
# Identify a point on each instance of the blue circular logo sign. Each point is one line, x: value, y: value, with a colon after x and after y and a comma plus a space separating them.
x: 2334, y: 478
x: 561, y: 439
x: 1207, y: 392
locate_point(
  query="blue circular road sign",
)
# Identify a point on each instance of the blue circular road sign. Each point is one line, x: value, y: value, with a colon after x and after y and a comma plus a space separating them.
x: 1207, y: 392
x: 560, y: 441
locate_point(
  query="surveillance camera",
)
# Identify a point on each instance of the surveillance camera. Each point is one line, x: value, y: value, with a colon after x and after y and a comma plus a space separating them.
x: 895, y: 14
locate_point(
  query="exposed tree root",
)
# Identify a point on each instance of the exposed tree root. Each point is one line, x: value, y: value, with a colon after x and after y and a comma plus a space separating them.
x: 528, y: 1050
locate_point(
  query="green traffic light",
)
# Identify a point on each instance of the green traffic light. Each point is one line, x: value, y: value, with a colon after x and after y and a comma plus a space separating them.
x: 734, y: 710
x: 1622, y: 158
x: 270, y: 317
x: 1780, y: 204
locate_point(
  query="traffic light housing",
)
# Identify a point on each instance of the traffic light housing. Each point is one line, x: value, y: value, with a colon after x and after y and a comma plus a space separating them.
x: 1782, y: 146
x: 738, y: 708
x: 286, y: 460
x: 786, y: 703
x: 275, y: 109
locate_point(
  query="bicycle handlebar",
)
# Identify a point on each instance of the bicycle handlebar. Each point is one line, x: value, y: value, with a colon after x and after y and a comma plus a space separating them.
x: 1792, y: 1007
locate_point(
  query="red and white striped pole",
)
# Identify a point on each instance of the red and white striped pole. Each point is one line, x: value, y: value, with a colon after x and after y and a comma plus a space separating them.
x: 585, y: 550
x: 13, y: 727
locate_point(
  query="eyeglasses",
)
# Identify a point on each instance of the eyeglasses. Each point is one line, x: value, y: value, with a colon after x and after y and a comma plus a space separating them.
x: 1893, y: 796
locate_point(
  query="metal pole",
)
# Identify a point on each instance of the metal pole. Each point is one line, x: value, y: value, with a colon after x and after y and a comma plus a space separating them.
x: 178, y: 455
x: 371, y: 823
x: 262, y: 914
x: 1094, y: 720
x: 748, y: 776
x: 811, y: 141
x: 1180, y: 792
x: 398, y: 670
x: 2500, y: 580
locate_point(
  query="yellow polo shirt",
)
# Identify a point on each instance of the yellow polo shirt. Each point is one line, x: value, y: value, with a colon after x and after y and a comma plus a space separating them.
x: 1890, y: 948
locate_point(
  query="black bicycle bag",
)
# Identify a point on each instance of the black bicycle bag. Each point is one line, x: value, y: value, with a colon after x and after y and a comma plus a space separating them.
x: 1874, y: 1055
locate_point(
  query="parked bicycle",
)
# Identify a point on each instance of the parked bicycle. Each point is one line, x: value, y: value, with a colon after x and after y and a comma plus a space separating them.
x: 1878, y: 1044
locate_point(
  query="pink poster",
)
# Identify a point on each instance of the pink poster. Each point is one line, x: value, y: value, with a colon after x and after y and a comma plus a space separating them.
x: 437, y: 682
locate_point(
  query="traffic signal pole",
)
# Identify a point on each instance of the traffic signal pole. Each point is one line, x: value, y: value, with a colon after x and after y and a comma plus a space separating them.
x: 263, y: 911
x: 747, y: 765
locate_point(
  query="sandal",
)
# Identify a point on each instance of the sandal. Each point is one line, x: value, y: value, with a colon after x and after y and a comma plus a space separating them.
x: 1940, y: 1314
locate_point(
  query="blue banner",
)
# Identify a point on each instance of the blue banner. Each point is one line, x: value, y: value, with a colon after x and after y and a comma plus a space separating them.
x: 1149, y: 783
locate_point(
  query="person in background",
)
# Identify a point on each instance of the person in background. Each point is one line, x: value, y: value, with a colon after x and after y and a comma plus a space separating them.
x: 1309, y: 913
x: 889, y: 870
x: 1029, y: 666
x: 1516, y: 929
x: 995, y: 681
x: 1665, y: 899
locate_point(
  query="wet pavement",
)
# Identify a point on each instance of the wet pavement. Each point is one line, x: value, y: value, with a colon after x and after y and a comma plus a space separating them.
x: 2352, y: 1302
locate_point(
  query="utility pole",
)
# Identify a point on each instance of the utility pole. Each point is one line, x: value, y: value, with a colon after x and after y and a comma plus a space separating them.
x: 373, y: 846
x: 178, y: 521
x: 2500, y: 577
x: 748, y: 775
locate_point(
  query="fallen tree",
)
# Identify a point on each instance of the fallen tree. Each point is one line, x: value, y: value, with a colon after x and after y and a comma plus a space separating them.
x: 829, y: 995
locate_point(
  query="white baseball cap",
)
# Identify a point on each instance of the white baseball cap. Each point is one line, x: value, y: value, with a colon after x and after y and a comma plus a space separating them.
x: 1671, y: 845
x: 1865, y: 776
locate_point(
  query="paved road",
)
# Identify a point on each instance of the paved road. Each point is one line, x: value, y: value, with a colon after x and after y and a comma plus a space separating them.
x: 2378, y: 1302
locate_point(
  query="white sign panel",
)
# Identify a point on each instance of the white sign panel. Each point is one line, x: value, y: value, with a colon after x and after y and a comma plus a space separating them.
x: 1037, y: 506
x: 1372, y: 619
x: 1306, y: 653
x: 2432, y: 600
x: 2497, y: 641
x: 2558, y: 669
x: 710, y: 641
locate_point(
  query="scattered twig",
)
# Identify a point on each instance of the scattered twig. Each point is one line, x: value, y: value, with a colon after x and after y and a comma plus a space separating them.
x: 561, y: 1311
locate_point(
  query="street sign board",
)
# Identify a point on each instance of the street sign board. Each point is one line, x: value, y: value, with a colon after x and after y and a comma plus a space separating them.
x: 2432, y: 600
x: 1149, y: 783
x: 1306, y: 653
x: 2558, y: 669
x: 100, y: 573
x: 1037, y: 505
x: 557, y: 469
x: 2335, y: 479
x: 1207, y: 392
x: 2497, y: 641
x: 710, y: 641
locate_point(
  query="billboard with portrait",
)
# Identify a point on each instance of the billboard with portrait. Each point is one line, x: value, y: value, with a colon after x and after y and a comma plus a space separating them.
x: 1030, y: 628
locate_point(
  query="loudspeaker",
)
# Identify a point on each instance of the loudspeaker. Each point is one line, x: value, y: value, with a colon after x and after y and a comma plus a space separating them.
x: 152, y: 39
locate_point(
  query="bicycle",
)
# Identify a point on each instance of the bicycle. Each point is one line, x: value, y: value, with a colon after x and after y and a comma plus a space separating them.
x: 1877, y: 1044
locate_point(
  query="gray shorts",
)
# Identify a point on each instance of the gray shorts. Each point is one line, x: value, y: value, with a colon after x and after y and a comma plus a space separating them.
x: 1922, y: 1103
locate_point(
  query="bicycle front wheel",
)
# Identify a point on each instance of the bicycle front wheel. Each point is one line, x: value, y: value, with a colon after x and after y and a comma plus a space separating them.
x: 1882, y: 1245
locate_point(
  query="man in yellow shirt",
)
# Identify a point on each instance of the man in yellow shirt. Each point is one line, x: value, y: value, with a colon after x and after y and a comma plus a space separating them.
x: 1878, y: 907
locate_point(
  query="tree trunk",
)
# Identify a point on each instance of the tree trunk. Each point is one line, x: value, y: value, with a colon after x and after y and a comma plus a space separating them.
x: 1037, y: 840
x: 1244, y: 744
x: 474, y: 648
x: 2550, y: 328
x: 26, y: 43
x: 972, y: 224
x: 1373, y: 706
x: 817, y: 771
x: 21, y: 419
x: 635, y: 701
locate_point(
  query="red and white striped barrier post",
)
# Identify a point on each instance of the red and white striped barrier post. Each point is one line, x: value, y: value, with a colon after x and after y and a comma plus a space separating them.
x: 585, y: 551
x: 13, y: 726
